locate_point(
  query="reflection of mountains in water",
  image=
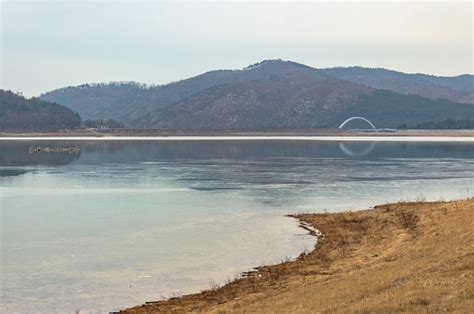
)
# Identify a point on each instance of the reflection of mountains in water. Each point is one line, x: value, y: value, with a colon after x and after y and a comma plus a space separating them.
x: 271, y: 171
x: 95, y: 152
x: 270, y: 168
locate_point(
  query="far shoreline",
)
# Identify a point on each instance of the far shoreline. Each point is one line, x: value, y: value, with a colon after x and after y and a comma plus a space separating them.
x: 236, y: 135
x: 438, y: 139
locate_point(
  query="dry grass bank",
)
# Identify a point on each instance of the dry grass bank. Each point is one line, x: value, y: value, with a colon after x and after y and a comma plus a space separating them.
x: 409, y: 257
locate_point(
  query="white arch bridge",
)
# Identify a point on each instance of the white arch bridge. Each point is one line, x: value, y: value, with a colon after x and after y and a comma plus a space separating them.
x: 369, y: 123
x: 357, y: 118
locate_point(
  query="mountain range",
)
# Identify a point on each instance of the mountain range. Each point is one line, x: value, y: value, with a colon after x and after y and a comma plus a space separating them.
x: 276, y: 94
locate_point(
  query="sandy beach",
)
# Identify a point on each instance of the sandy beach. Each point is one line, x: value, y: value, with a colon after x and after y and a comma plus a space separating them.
x: 403, y: 257
x: 322, y: 134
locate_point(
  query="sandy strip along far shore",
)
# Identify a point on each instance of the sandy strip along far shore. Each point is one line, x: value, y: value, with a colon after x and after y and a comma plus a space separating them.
x: 249, y: 138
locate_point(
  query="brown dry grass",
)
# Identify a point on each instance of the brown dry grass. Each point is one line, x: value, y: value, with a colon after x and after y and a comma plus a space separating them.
x: 405, y: 257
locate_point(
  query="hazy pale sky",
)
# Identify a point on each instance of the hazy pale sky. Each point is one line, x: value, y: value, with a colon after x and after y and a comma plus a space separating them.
x: 51, y: 44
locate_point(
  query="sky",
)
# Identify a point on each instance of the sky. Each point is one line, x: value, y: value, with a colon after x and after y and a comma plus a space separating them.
x: 51, y: 44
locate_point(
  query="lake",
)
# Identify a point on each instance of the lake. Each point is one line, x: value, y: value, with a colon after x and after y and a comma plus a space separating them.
x: 123, y: 222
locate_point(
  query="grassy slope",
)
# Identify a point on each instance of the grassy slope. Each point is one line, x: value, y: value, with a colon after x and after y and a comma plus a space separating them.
x: 411, y: 257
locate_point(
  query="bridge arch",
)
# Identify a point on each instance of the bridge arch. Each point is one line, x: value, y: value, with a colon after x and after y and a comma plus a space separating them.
x: 349, y: 150
x: 357, y: 118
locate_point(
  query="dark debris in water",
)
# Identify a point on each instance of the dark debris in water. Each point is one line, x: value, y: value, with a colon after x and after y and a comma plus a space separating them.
x: 11, y: 172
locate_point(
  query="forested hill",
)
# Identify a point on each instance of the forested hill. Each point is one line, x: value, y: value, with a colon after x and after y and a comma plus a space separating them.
x: 20, y: 114
x: 455, y: 88
x: 127, y: 101
x: 273, y: 105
